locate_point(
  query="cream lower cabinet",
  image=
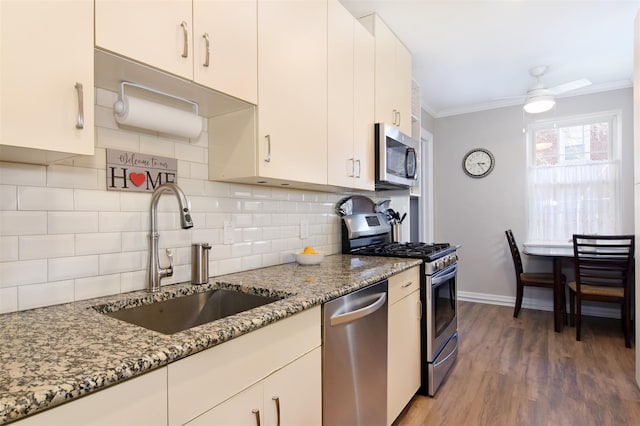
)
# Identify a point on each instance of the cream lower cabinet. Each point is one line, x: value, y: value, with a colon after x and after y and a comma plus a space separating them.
x: 138, y: 401
x: 403, y: 353
x: 290, y: 396
x: 46, y: 80
x: 222, y: 385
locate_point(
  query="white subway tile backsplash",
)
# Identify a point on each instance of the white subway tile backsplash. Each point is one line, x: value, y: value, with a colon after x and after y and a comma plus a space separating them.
x: 135, y: 241
x: 241, y: 249
x: 36, y: 198
x: 251, y: 234
x: 132, y: 281
x: 261, y: 247
x: 96, y: 243
x: 96, y: 161
x: 120, y: 262
x: 46, y: 246
x: 8, y: 197
x: 251, y: 262
x: 117, y: 139
x: 8, y: 248
x: 103, y: 285
x: 187, y: 152
x: 157, y: 146
x: 96, y: 200
x: 106, y: 98
x: 199, y: 171
x: 65, y: 268
x: 8, y: 300
x: 23, y: 223
x: 72, y: 222
x: 46, y: 294
x: 72, y: 177
x: 229, y: 266
x: 135, y: 201
x: 22, y: 174
x: 173, y: 239
x: 104, y: 118
x: 23, y: 272
x: 119, y: 221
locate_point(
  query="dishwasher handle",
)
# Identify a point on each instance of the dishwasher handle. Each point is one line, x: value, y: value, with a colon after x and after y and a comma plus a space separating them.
x: 360, y: 313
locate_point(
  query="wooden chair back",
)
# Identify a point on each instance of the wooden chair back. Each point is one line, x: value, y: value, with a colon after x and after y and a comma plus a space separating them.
x: 603, y: 260
x: 515, y: 253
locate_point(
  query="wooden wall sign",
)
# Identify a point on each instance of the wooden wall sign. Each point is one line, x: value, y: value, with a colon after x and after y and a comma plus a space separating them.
x: 132, y: 171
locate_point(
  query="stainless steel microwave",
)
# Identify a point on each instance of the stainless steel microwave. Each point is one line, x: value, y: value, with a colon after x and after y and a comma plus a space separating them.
x: 397, y: 158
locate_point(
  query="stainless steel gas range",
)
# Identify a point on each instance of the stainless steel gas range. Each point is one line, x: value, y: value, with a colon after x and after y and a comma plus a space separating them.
x: 367, y: 232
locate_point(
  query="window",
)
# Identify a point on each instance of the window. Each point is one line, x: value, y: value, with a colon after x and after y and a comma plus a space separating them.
x: 573, y: 169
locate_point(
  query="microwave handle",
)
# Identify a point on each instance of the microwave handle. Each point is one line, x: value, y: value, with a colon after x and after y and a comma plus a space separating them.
x: 410, y: 156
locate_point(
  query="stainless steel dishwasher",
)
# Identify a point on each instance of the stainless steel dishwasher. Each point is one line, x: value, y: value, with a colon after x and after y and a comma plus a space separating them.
x: 354, y: 356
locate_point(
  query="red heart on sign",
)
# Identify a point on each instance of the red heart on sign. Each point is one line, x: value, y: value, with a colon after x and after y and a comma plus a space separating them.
x: 137, y: 178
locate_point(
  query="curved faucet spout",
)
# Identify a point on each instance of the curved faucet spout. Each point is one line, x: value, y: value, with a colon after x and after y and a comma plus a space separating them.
x: 155, y: 272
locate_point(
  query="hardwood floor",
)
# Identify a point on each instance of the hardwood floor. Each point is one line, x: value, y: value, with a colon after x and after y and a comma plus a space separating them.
x: 520, y: 372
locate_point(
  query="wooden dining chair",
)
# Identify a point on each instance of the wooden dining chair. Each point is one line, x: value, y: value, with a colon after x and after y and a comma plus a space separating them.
x: 533, y: 279
x: 604, y: 265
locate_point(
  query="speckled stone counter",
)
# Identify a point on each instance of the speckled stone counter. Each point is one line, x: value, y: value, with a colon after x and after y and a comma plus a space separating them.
x: 53, y: 355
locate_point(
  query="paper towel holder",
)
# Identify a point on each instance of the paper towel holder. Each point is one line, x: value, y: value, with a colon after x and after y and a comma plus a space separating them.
x: 119, y: 106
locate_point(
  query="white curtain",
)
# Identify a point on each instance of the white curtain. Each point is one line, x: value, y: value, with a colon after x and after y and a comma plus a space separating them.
x: 574, y: 198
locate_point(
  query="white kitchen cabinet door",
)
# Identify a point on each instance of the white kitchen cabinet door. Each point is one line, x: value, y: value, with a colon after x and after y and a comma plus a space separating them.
x: 364, y: 130
x: 292, y: 90
x: 225, y: 40
x: 298, y: 389
x: 46, y: 51
x: 341, y: 160
x: 154, y: 32
x: 392, y: 76
x: 403, y: 351
x: 138, y: 401
x: 243, y: 409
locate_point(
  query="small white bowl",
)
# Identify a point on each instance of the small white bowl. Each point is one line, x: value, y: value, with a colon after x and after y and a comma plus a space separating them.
x: 309, y: 259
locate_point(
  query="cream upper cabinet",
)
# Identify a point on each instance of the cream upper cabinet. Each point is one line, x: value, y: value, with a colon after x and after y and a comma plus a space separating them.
x: 364, y: 86
x: 392, y: 76
x: 154, y: 32
x: 350, y: 96
x: 224, y: 37
x: 403, y: 353
x: 292, y: 90
x: 46, y: 80
x: 212, y: 42
x: 341, y: 159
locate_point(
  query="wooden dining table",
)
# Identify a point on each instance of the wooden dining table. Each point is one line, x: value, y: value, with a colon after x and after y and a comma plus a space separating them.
x: 559, y: 255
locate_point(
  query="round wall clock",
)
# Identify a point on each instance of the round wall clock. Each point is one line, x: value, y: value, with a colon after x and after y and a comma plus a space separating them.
x: 478, y: 163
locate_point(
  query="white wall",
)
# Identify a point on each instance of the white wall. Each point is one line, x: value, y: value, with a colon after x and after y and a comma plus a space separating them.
x: 63, y: 237
x: 475, y: 212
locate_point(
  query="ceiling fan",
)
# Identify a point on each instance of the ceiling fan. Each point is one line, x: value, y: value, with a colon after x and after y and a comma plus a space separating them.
x: 540, y: 98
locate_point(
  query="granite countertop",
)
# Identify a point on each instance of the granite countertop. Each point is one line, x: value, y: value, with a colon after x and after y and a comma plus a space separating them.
x: 55, y: 354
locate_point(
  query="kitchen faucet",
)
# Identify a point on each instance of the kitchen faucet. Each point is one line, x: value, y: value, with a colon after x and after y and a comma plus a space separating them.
x: 155, y: 272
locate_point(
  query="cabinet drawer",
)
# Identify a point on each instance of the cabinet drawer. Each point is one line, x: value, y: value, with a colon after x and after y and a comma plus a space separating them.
x: 403, y: 284
x: 207, y: 378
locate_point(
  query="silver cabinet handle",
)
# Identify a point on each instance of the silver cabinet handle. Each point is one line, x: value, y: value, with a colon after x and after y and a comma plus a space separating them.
x: 256, y: 413
x: 399, y: 117
x: 185, y: 45
x: 267, y: 158
x: 359, y: 169
x: 205, y: 36
x: 395, y: 116
x: 351, y: 167
x: 80, y: 122
x: 277, y: 401
x: 407, y: 284
x: 362, y: 312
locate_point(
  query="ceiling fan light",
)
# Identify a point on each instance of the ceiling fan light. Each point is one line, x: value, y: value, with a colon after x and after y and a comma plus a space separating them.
x: 538, y: 104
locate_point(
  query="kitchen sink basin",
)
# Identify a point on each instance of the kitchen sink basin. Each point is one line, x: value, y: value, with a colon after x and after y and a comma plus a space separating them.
x: 174, y: 315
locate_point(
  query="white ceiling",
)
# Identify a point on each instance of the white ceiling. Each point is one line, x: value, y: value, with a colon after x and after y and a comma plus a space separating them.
x: 468, y: 55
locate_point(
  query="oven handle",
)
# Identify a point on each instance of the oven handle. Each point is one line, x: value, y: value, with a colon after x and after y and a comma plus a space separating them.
x: 362, y: 312
x: 447, y: 274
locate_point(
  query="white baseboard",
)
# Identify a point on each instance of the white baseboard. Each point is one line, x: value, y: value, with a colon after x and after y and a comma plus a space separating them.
x: 537, y: 304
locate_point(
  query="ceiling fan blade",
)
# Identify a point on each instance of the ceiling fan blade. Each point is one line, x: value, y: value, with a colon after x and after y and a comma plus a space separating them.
x: 572, y: 85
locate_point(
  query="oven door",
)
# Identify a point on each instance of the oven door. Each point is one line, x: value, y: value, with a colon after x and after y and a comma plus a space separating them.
x: 441, y: 315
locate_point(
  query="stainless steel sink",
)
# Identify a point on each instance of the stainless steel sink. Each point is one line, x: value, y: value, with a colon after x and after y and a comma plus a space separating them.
x: 174, y: 315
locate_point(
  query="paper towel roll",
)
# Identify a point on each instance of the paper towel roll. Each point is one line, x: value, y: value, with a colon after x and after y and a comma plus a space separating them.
x: 149, y: 115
